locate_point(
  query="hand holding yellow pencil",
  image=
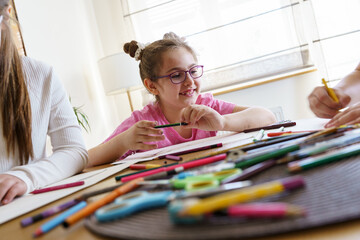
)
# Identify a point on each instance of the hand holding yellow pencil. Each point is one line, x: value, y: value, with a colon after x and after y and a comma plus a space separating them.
x: 330, y: 91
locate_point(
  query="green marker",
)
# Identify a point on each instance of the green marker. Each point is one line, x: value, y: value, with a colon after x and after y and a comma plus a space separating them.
x: 171, y: 125
x: 266, y: 156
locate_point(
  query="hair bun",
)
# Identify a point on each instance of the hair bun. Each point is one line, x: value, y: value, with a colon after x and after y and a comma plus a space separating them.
x: 130, y: 48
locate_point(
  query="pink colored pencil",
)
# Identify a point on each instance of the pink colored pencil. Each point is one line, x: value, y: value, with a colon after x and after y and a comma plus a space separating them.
x: 186, y: 165
x: 265, y: 210
x: 48, y: 189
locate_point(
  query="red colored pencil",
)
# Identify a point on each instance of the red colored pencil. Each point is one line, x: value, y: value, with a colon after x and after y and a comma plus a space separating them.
x: 48, y: 189
x: 275, y: 134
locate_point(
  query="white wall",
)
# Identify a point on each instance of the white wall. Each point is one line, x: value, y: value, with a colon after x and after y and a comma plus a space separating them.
x: 64, y: 34
x: 73, y: 35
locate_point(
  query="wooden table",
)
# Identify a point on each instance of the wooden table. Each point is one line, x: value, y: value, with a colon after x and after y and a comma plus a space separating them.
x: 12, y: 230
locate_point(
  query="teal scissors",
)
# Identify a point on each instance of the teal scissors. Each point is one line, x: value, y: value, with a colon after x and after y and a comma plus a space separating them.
x: 142, y: 200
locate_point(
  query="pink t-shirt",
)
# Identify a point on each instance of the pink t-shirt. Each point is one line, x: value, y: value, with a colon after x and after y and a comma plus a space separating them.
x: 152, y: 112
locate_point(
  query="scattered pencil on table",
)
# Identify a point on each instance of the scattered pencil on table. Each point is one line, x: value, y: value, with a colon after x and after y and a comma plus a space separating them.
x: 312, y: 162
x: 259, y: 136
x: 275, y: 134
x: 63, y: 186
x: 330, y: 91
x: 93, y: 206
x: 186, y: 165
x: 49, y: 212
x: 193, y: 150
x: 59, y: 219
x: 265, y: 210
x: 173, y: 157
x: 223, y: 200
x: 272, y: 126
x: 171, y: 125
x: 144, y: 166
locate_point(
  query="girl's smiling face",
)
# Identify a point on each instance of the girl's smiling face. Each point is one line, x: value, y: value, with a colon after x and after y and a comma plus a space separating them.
x: 177, y: 96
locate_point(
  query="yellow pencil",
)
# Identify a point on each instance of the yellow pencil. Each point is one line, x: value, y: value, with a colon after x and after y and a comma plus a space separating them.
x: 330, y: 91
x: 220, y: 201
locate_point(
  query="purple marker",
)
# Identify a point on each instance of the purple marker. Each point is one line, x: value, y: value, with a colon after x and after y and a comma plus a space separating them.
x: 47, y: 213
x: 173, y: 157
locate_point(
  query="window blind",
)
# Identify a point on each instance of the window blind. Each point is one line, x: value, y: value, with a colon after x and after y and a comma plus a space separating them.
x: 242, y: 40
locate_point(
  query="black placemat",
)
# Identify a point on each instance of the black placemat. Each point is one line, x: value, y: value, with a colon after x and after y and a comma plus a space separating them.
x: 331, y: 195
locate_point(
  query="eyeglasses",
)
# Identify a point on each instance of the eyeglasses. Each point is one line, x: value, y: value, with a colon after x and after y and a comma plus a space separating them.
x: 180, y: 76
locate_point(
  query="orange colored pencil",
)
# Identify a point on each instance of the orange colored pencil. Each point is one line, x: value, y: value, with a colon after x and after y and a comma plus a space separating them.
x: 92, y: 207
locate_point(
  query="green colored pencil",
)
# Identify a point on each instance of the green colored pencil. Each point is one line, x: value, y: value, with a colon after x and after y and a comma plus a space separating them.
x: 312, y: 162
x: 266, y: 156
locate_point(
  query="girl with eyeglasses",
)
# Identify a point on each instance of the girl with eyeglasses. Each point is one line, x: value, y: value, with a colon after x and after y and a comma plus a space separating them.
x: 33, y: 105
x: 170, y: 71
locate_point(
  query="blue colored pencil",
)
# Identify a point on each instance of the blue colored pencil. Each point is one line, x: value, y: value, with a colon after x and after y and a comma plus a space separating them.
x: 49, y: 212
x: 58, y: 220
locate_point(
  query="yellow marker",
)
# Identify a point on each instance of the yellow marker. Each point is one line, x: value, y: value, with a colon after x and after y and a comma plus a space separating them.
x: 220, y: 201
x: 330, y: 91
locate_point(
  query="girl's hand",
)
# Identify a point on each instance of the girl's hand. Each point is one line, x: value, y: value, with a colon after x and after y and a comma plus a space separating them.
x: 323, y: 105
x: 10, y: 187
x: 347, y: 117
x: 202, y: 117
x: 139, y: 136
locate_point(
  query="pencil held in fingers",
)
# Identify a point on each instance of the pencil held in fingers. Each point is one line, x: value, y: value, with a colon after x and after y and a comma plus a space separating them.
x: 330, y: 91
x: 172, y: 125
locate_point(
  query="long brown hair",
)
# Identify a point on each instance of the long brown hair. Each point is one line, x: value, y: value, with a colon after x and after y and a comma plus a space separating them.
x: 14, y: 98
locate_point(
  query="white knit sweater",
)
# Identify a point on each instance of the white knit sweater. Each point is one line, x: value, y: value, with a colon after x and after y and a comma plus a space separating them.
x: 52, y: 115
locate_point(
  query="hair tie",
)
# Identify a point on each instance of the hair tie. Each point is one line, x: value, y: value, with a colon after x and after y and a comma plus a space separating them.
x: 141, y: 46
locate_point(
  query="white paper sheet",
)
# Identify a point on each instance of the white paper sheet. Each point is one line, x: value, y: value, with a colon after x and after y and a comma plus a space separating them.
x: 229, y: 140
x: 30, y: 202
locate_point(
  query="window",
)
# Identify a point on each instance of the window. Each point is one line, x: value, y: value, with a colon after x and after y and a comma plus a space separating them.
x: 242, y: 40
x: 337, y: 41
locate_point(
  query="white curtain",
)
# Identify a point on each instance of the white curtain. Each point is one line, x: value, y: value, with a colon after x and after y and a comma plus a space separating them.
x: 243, y: 40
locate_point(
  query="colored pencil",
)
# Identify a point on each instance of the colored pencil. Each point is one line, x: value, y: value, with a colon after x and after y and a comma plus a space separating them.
x: 49, y: 212
x: 193, y: 150
x: 274, y: 154
x: 265, y: 210
x: 48, y: 189
x: 249, y: 172
x: 330, y: 91
x: 312, y: 162
x: 272, y: 141
x: 92, y: 207
x: 118, y: 178
x: 144, y: 166
x: 273, y: 126
x: 173, y: 157
x: 275, y: 134
x: 171, y: 125
x: 223, y: 200
x: 59, y: 219
x: 186, y: 165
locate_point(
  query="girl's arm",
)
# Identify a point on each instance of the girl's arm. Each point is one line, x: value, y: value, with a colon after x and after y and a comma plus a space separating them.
x: 244, y: 118
x: 206, y: 118
x: 137, y: 137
